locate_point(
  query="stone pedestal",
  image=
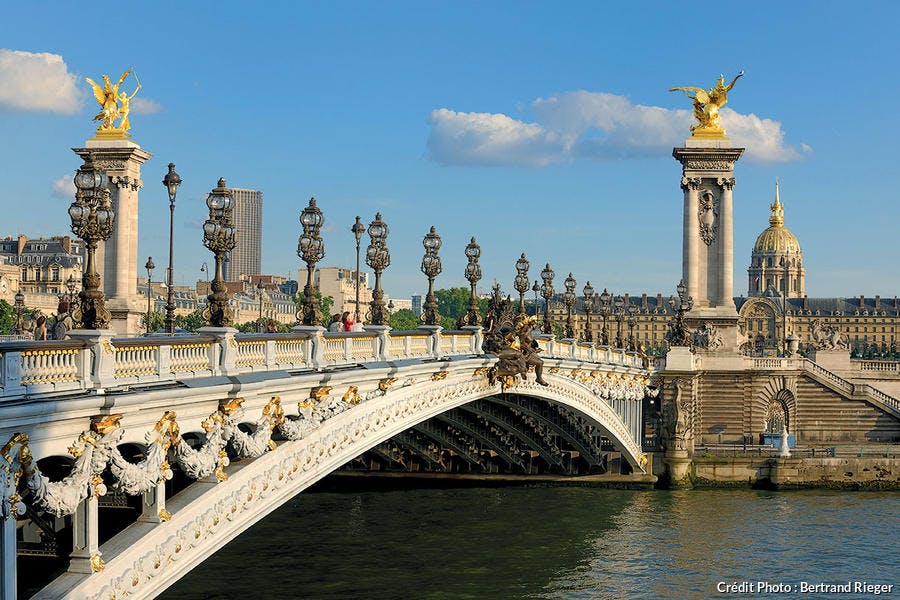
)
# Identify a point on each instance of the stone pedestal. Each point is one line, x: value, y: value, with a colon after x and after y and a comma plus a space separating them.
x: 678, y: 469
x: 708, y: 235
x: 224, y: 352
x: 679, y: 358
x: 121, y: 160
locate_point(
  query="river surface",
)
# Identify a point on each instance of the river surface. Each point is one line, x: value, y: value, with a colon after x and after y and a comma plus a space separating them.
x: 555, y: 543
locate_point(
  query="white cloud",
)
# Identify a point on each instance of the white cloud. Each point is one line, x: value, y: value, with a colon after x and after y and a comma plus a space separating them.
x: 592, y: 125
x: 37, y: 82
x: 64, y: 188
x: 806, y: 148
x: 145, y: 106
x: 491, y: 139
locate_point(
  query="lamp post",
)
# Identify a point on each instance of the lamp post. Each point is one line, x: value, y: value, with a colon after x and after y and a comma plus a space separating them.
x: 92, y: 221
x: 70, y: 285
x: 358, y: 230
x: 378, y: 258
x: 547, y: 291
x: 632, y: 321
x: 473, y: 275
x: 172, y: 180
x: 678, y: 334
x: 19, y: 306
x: 260, y: 327
x: 149, y: 266
x: 521, y: 281
x: 619, y: 313
x: 431, y: 267
x: 218, y: 237
x: 604, y: 309
x: 588, y: 292
x: 311, y: 249
x: 569, y: 298
x: 536, y: 288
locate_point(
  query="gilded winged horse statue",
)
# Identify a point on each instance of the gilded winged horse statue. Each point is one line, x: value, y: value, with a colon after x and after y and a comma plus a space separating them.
x: 707, y: 104
x: 113, y: 104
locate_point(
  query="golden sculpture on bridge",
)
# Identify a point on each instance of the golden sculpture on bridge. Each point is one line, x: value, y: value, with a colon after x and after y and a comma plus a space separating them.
x: 113, y: 105
x: 706, y: 107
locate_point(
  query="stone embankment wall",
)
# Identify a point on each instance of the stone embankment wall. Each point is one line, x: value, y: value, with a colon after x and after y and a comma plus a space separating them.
x: 864, y: 472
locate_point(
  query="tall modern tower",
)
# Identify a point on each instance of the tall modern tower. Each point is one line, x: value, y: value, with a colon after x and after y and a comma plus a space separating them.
x: 246, y: 258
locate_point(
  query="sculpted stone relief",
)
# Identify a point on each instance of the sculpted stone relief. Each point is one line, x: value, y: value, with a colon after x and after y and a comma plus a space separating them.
x: 708, y: 216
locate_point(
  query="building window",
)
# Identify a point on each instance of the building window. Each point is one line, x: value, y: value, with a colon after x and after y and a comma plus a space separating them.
x: 25, y: 274
x: 55, y: 274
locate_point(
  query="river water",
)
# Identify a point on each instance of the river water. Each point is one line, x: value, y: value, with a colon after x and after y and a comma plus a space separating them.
x: 555, y: 543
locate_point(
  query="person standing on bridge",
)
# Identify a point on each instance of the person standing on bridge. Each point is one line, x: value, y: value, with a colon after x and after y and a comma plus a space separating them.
x: 347, y: 321
x: 335, y: 324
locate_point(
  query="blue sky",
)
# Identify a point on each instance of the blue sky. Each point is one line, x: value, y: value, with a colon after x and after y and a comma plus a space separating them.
x: 522, y: 124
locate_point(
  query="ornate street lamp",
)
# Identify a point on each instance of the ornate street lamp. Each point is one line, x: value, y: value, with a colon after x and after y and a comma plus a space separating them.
x: 19, y: 306
x: 473, y: 275
x: 218, y: 237
x: 260, y: 327
x: 358, y: 229
x: 92, y: 221
x: 70, y: 285
x: 311, y: 249
x: 632, y: 321
x: 619, y: 313
x: 521, y: 281
x: 678, y: 334
x: 536, y: 288
x: 172, y: 180
x: 149, y: 266
x: 378, y: 258
x: 547, y: 291
x: 431, y: 267
x: 605, y: 310
x: 569, y: 298
x: 588, y: 292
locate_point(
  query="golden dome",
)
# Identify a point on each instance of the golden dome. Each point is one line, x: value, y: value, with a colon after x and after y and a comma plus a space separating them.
x: 777, y: 239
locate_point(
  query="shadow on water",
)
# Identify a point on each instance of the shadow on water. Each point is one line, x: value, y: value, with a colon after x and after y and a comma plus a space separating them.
x: 424, y: 544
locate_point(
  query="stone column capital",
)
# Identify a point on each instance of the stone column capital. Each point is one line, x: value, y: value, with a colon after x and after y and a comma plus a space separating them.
x: 690, y: 183
x: 726, y: 183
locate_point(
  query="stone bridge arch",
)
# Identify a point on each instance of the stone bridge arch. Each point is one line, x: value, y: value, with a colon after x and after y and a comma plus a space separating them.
x: 145, y: 558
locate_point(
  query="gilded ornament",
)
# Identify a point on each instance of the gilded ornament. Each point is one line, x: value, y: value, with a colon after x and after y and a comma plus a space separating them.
x: 384, y: 384
x: 229, y: 406
x: 439, y: 376
x: 164, y: 515
x: 319, y: 393
x: 481, y: 371
x: 97, y: 563
x: 706, y: 107
x: 351, y: 396
x: 103, y: 424
x: 274, y: 412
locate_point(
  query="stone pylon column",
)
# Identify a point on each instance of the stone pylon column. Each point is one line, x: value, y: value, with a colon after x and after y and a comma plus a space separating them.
x: 121, y: 160
x: 708, y: 244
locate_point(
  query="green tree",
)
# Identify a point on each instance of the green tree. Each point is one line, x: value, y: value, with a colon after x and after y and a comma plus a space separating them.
x: 248, y: 327
x: 7, y: 318
x: 404, y: 319
x: 191, y: 322
x: 454, y: 303
x: 157, y: 321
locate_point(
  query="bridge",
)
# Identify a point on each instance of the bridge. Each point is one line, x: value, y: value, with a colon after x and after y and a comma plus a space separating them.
x: 214, y: 431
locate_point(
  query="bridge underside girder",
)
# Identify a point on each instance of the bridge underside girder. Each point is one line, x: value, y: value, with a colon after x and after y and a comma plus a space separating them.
x: 506, y: 433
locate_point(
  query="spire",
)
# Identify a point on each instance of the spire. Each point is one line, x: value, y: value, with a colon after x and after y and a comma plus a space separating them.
x: 777, y: 218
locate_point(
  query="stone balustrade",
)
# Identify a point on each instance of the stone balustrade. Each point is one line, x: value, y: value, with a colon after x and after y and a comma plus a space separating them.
x: 96, y: 360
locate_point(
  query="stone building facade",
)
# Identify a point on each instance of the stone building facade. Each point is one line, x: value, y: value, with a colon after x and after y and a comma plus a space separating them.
x: 767, y: 315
